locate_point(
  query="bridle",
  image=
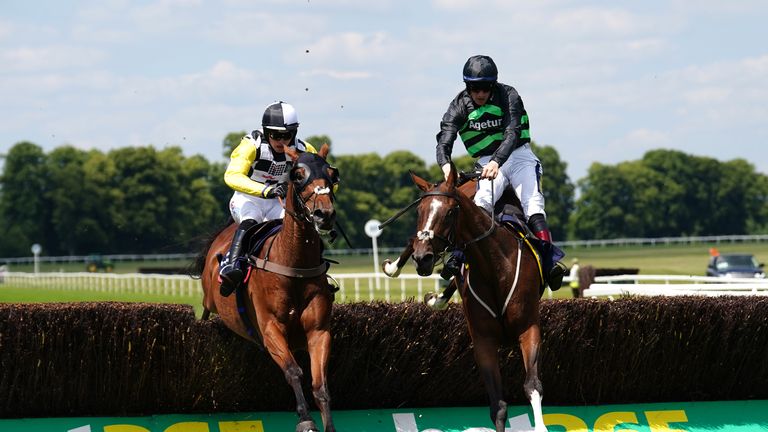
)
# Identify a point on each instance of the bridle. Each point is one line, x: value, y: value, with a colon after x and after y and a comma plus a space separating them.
x: 304, y: 214
x: 449, y: 240
x: 314, y: 167
x: 429, y: 235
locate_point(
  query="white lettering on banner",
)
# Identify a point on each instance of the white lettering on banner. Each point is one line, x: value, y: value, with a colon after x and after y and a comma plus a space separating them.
x: 406, y: 422
x: 86, y: 428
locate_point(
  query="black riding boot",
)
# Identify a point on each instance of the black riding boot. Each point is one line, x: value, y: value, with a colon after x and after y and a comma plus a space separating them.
x: 234, y: 266
x: 556, y: 270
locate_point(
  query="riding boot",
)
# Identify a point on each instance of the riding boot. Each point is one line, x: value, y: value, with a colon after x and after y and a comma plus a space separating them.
x: 453, y: 265
x: 557, y: 270
x: 234, y: 266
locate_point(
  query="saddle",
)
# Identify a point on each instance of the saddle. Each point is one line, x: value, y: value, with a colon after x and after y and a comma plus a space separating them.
x: 508, y: 212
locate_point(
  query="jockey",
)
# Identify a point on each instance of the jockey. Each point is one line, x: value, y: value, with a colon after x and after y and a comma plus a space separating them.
x: 493, y: 125
x: 258, y: 172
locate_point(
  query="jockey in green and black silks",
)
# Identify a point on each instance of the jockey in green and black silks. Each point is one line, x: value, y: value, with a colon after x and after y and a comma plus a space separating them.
x: 491, y: 121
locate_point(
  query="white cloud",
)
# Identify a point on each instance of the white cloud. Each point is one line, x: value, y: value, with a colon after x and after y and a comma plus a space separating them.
x: 593, y: 21
x: 340, y: 75
x: 6, y: 28
x: 356, y: 47
x: 54, y: 57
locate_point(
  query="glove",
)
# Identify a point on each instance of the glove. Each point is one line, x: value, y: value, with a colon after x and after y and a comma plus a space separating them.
x: 278, y: 190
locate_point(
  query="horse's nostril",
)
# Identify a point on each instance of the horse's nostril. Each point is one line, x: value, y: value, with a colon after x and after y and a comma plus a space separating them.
x: 323, y: 214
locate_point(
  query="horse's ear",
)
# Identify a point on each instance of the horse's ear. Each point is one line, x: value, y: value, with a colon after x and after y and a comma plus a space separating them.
x: 292, y: 153
x: 452, y: 176
x: 324, y: 150
x: 420, y: 182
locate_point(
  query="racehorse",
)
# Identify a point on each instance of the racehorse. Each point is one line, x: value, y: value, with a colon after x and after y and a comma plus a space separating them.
x: 501, y: 289
x: 287, y: 293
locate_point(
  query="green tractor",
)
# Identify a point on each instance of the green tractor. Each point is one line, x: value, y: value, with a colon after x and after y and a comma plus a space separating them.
x: 97, y: 263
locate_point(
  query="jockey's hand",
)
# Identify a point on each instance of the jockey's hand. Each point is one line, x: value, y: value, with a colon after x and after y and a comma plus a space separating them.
x: 278, y: 190
x: 490, y: 170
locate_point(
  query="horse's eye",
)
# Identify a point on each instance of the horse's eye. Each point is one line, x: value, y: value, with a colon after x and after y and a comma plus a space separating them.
x: 297, y: 175
x: 334, y: 174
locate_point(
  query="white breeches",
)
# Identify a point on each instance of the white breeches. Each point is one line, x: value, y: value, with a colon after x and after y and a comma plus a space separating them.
x: 243, y: 206
x: 522, y: 172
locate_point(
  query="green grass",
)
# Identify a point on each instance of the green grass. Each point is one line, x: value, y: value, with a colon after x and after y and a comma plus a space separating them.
x: 662, y: 260
x: 10, y: 294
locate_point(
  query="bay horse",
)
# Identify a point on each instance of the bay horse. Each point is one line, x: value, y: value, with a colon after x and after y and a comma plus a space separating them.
x: 501, y: 290
x: 287, y: 294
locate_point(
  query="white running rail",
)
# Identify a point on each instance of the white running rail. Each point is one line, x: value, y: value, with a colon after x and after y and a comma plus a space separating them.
x: 353, y: 286
x: 362, y: 286
x: 674, y: 285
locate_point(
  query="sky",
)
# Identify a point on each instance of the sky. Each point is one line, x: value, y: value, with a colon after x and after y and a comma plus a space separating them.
x: 602, y: 81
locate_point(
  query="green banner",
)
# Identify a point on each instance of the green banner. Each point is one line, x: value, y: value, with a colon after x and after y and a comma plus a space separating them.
x: 733, y: 416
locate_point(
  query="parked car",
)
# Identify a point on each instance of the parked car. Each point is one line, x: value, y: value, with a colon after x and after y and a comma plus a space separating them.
x: 735, y: 266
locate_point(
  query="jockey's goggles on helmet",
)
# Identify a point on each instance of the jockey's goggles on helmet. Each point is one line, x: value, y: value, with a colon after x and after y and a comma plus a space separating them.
x: 280, y: 135
x: 483, y: 86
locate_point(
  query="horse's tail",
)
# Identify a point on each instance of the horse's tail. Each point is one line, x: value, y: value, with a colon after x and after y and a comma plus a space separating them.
x: 195, y: 269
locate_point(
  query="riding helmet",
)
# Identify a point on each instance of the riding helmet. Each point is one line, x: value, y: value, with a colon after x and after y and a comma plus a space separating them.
x: 280, y: 116
x: 480, y: 68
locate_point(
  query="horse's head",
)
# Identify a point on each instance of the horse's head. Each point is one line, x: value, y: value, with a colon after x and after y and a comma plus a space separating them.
x: 313, y: 181
x: 436, y: 221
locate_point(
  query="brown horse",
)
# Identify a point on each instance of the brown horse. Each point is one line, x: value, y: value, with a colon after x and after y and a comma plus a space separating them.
x: 500, y: 294
x: 288, y: 295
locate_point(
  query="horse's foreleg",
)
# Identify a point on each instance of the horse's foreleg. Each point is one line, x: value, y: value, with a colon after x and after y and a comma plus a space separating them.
x: 319, y: 347
x: 530, y: 340
x: 277, y: 346
x: 392, y: 269
x: 487, y: 357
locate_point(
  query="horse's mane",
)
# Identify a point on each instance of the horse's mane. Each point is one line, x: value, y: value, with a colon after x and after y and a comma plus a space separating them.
x: 195, y: 269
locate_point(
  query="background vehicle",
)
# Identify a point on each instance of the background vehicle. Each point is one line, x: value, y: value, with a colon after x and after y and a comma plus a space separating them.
x: 95, y: 263
x: 735, y: 266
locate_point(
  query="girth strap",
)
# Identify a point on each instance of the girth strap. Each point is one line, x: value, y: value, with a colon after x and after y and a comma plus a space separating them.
x: 273, y: 267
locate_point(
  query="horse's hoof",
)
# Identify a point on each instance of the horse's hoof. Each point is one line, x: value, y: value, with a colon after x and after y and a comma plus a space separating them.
x: 429, y: 297
x: 307, y: 426
x: 435, y: 301
x: 390, y: 269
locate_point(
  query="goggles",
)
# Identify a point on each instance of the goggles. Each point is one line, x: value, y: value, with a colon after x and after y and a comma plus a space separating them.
x: 279, y: 135
x: 481, y: 86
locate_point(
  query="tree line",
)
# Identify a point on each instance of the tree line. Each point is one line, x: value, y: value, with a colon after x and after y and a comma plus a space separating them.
x: 147, y: 200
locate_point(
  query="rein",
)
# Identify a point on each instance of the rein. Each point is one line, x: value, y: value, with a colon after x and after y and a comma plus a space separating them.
x: 454, y: 196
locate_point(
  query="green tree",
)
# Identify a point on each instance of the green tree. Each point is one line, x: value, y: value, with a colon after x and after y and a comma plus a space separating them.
x: 100, y: 198
x: 317, y: 141
x: 25, y: 212
x: 231, y: 141
x: 71, y: 204
x: 600, y: 210
x: 757, y: 221
x: 557, y: 188
x: 149, y: 184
